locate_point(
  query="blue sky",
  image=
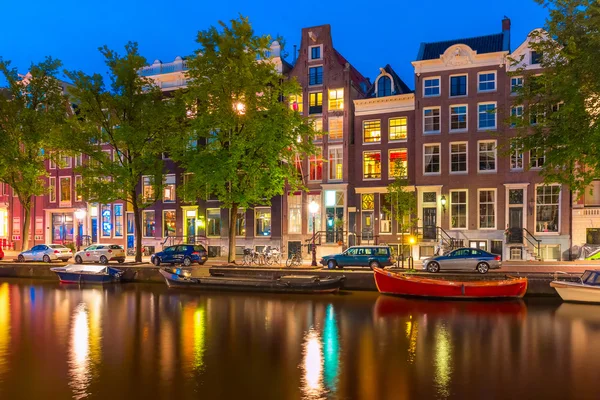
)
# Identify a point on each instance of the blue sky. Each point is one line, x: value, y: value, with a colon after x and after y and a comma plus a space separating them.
x: 368, y: 34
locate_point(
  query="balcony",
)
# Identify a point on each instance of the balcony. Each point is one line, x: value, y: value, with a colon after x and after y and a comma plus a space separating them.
x: 172, y: 84
x: 158, y: 67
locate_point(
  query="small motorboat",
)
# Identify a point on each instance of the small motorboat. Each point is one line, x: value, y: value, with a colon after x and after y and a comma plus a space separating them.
x: 412, y: 285
x: 586, y: 290
x: 77, y: 273
x: 178, y: 278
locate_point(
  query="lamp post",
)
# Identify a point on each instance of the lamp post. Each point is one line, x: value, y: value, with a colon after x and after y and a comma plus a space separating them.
x: 443, y: 202
x: 411, y: 241
x: 313, y: 208
x: 79, y: 215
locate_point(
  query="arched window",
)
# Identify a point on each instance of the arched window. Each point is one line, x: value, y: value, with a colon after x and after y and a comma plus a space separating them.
x: 384, y: 86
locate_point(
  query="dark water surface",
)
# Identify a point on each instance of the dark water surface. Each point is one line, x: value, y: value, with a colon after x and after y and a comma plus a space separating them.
x: 148, y: 342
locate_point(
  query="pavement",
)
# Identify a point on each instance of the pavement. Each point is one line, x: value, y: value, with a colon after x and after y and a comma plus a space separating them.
x: 577, y: 266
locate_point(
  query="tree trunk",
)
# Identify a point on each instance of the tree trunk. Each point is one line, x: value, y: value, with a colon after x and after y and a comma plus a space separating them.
x: 137, y: 218
x: 232, y: 222
x: 26, y: 223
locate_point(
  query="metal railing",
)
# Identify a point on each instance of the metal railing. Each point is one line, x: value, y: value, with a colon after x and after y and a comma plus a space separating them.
x: 175, y: 240
x: 165, y: 68
x: 535, y: 242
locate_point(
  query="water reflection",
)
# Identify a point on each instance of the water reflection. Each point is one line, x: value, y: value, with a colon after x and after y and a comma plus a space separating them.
x: 148, y: 342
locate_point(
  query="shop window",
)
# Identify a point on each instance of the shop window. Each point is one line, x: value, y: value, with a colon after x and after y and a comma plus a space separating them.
x: 169, y: 223
x: 149, y: 223
x: 106, y: 215
x: 263, y: 222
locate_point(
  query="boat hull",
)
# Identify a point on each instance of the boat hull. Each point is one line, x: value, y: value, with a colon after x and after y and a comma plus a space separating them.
x: 322, y: 286
x: 576, y: 292
x: 400, y: 284
x: 87, y: 274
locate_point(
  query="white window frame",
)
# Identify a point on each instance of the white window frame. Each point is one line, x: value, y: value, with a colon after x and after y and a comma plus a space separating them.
x: 516, y: 113
x: 339, y: 161
x: 220, y: 221
x: 440, y: 161
x: 316, y: 160
x: 466, y: 208
x: 439, y: 118
x: 535, y: 204
x: 363, y: 131
x: 390, y: 130
x: 151, y: 186
x: 162, y: 228
x: 495, y: 203
x: 363, y: 165
x: 514, y: 150
x: 486, y: 171
x: 329, y: 119
x: 389, y: 160
x: 174, y: 188
x: 322, y: 73
x: 450, y: 158
x: 439, y: 86
x: 78, y: 160
x: 310, y: 53
x: 485, y: 103
x: 51, y: 185
x: 466, y: 128
x: 329, y: 98
x: 119, y: 218
x: 289, y: 210
x: 495, y: 81
x: 144, y: 225
x: 536, y: 167
x: 62, y: 202
x: 513, y: 92
x: 255, y: 224
x: 100, y: 226
x: 466, y: 86
x: 68, y: 163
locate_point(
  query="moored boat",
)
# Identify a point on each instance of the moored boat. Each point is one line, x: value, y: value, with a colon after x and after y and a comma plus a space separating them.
x: 76, y: 273
x: 586, y: 290
x: 393, y: 283
x: 177, y: 278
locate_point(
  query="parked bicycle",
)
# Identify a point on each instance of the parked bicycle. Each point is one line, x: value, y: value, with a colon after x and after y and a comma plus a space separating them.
x: 145, y: 251
x: 271, y: 255
x: 252, y: 256
x: 295, y: 260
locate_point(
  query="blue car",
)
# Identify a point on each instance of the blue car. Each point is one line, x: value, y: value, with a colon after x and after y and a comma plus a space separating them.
x: 185, y: 254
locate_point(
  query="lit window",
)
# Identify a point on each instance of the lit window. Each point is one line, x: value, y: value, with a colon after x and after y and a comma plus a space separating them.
x: 336, y: 99
x: 371, y: 165
x: 398, y: 128
x: 431, y: 87
x: 169, y: 189
x: 295, y: 212
x: 147, y: 189
x: 431, y: 159
x: 458, y: 157
x: 213, y: 225
x: 318, y: 127
x: 52, y: 189
x: 65, y: 190
x: 315, y: 103
x: 487, y: 116
x: 487, y: 209
x: 458, y: 85
x: 169, y: 223
x: 316, y: 166
x: 458, y: 209
x: 263, y: 222
x: 487, y: 81
x: 240, y: 223
x: 335, y: 163
x: 106, y: 219
x: 149, y: 222
x: 315, y: 75
x: 487, y: 155
x: 296, y: 103
x: 118, y: 208
x: 78, y: 189
x: 398, y: 163
x: 547, y: 205
x: 458, y: 118
x: 336, y: 128
x: 431, y: 120
x: 372, y: 131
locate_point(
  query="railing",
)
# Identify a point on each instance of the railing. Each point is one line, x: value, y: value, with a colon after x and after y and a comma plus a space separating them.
x: 447, y: 240
x: 335, y: 236
x: 175, y: 240
x: 172, y: 84
x: 535, y: 242
x: 166, y: 68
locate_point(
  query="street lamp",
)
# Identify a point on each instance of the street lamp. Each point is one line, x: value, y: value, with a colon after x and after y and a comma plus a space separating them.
x: 443, y: 202
x: 411, y: 241
x: 79, y: 215
x: 313, y: 207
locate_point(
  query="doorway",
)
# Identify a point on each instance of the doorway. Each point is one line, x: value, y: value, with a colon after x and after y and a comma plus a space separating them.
x: 515, y: 225
x: 429, y: 223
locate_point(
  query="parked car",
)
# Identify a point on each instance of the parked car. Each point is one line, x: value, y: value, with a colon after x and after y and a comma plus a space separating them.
x: 102, y: 253
x: 361, y: 256
x: 466, y: 259
x: 46, y: 253
x: 185, y: 254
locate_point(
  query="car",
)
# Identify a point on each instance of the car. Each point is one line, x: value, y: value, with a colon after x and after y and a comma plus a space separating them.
x: 465, y: 259
x: 46, y: 253
x: 360, y: 256
x: 102, y: 253
x: 185, y: 254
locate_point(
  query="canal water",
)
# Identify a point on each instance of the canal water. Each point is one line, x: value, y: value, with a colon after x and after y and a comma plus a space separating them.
x: 135, y: 341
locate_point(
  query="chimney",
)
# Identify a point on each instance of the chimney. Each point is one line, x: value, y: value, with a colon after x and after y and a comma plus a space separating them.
x: 505, y: 24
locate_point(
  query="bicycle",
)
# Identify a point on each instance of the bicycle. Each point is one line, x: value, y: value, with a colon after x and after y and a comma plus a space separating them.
x: 295, y: 260
x: 272, y: 255
x: 252, y: 256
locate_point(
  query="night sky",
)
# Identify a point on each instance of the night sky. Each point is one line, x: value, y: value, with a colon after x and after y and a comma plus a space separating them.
x: 368, y: 34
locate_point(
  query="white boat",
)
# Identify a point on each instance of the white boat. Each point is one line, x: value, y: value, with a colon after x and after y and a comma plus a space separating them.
x: 586, y: 290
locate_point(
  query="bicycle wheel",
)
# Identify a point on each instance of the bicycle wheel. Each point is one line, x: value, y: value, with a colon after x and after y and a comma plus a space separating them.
x: 289, y: 262
x: 268, y: 260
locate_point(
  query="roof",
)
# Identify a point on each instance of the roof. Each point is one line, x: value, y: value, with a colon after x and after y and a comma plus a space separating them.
x: 399, y: 86
x: 481, y: 44
x: 355, y: 76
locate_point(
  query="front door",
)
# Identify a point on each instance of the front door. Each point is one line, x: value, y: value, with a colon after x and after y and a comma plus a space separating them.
x: 515, y: 225
x: 94, y: 230
x: 429, y: 223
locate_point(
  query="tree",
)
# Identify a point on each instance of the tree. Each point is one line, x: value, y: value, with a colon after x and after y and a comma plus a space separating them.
x: 401, y: 201
x: 249, y: 135
x: 32, y: 109
x: 123, y: 130
x: 559, y: 122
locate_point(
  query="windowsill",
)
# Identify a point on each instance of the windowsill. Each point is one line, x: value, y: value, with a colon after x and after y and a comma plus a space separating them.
x: 459, y: 172
x: 487, y: 172
x: 486, y: 129
x: 398, y: 140
x: 371, y: 179
x: 459, y: 229
x: 334, y: 109
x: 487, y: 91
x: 335, y: 180
x: 385, y: 233
x: 516, y: 170
x: 315, y: 180
x: 367, y: 143
x: 488, y: 229
x: 432, y: 133
x: 458, y: 96
x: 430, y: 96
x: 548, y: 233
x: 212, y: 236
x: 458, y: 130
x: 432, y: 173
x: 535, y: 168
x: 315, y: 84
x: 260, y: 236
x: 335, y: 139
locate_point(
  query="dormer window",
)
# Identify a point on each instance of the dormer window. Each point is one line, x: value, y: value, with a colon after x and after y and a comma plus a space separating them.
x: 536, y: 57
x: 315, y: 52
x: 384, y: 86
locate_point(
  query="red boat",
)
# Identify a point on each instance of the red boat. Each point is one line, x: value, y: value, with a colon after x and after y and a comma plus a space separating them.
x: 412, y: 285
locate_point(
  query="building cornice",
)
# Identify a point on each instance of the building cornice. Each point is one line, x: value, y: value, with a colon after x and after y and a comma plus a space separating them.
x: 387, y: 104
x: 460, y: 56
